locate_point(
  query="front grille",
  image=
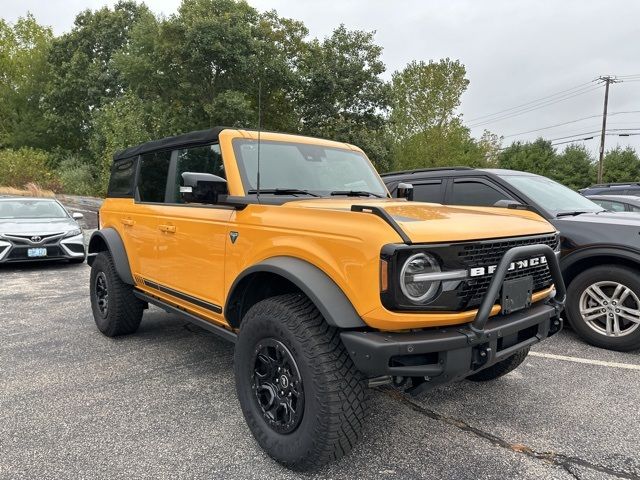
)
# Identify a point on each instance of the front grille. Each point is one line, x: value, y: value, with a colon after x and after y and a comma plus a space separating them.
x: 45, y: 239
x: 471, y: 292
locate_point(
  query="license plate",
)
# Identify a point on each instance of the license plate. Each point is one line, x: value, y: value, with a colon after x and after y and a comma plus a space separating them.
x: 516, y: 294
x: 36, y: 252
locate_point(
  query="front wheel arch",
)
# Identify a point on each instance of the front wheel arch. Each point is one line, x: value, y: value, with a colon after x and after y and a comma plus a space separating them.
x: 575, y: 263
x: 289, y: 274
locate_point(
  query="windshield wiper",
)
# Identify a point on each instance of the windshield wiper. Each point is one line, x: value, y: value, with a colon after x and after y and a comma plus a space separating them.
x: 283, y: 191
x: 570, y: 214
x: 356, y: 193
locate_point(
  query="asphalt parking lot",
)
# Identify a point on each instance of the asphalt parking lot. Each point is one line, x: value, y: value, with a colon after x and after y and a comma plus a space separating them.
x: 161, y: 404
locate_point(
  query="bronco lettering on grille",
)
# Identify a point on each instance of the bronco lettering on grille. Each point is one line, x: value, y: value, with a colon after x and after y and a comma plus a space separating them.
x: 517, y: 265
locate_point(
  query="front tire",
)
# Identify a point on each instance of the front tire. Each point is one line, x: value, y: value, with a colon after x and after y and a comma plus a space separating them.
x: 116, y: 310
x: 603, y: 307
x: 299, y: 391
x: 500, y: 368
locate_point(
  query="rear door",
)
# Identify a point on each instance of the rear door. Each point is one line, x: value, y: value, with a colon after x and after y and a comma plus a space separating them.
x: 139, y: 224
x: 192, y: 237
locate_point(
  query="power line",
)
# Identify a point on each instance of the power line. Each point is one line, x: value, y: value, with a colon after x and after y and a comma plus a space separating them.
x: 535, y: 107
x: 528, y: 103
x: 569, y: 122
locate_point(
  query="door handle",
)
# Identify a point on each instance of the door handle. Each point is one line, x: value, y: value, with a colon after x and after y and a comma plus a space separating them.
x: 128, y: 222
x: 167, y: 228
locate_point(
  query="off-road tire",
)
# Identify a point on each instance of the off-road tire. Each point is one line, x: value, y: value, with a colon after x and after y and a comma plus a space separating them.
x: 335, y: 393
x: 627, y: 276
x: 124, y: 311
x: 501, y: 368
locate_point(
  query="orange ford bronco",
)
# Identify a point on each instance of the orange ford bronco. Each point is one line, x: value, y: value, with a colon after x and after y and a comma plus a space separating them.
x: 290, y: 247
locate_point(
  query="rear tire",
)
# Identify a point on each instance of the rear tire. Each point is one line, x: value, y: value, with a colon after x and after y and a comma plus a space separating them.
x: 287, y: 336
x: 593, y: 329
x: 501, y: 368
x: 116, y: 310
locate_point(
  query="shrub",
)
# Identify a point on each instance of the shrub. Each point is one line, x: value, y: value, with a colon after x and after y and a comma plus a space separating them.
x: 26, y: 165
x: 77, y: 178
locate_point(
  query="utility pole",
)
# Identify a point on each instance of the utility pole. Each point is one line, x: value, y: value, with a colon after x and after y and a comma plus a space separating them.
x: 607, y: 81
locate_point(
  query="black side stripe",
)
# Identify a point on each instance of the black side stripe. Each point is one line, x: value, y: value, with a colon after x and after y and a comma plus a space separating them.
x: 183, y: 296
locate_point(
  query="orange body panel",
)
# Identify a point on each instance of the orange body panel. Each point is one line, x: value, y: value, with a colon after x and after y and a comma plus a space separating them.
x: 188, y: 248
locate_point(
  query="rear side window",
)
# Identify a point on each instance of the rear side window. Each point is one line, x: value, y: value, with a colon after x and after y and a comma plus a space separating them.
x: 152, y: 181
x: 122, y: 177
x: 476, y: 193
x: 612, y: 206
x: 206, y: 159
x: 428, y: 192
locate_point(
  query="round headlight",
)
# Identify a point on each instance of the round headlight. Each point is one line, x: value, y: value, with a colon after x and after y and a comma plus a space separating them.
x: 415, y: 289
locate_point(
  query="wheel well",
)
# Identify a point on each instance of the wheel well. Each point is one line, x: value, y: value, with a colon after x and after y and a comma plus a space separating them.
x: 584, y: 264
x: 97, y: 244
x: 254, y: 288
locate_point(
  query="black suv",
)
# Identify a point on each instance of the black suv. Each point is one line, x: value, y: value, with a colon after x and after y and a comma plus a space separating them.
x: 600, y: 249
x: 612, y: 189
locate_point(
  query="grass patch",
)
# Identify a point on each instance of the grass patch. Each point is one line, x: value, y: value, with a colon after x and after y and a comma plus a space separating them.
x: 29, y: 190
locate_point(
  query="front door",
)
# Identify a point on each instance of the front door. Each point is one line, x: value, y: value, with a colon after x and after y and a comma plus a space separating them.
x: 192, y: 237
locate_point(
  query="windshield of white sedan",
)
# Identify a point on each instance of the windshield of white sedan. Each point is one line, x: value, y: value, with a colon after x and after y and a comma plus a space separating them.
x: 319, y: 170
x: 31, y: 209
x: 550, y: 195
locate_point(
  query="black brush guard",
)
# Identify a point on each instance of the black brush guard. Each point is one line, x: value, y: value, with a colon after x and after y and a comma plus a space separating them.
x: 442, y: 355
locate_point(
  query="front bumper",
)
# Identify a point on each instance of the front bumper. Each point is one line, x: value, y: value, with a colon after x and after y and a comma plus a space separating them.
x: 57, y: 249
x: 449, y: 354
x: 436, y: 356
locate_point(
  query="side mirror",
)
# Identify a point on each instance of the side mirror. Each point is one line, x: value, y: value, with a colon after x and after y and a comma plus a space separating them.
x: 510, y: 204
x: 405, y: 190
x: 77, y: 216
x: 202, y: 187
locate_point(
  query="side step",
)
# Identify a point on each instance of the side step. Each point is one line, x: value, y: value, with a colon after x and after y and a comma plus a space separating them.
x: 189, y: 317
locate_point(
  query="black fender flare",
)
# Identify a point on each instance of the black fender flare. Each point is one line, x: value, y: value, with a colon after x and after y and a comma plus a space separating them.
x: 326, y: 295
x: 110, y: 238
x: 624, y: 253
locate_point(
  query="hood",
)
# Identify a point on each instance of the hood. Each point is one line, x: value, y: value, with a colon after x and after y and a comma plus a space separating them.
x: 433, y: 223
x: 605, y: 228
x: 25, y: 226
x: 604, y: 218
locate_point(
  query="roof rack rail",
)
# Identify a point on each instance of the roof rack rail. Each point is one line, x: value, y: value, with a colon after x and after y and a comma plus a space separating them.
x: 420, y: 170
x: 600, y: 185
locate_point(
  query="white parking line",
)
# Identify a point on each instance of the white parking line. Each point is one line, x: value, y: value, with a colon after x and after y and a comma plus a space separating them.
x: 602, y: 363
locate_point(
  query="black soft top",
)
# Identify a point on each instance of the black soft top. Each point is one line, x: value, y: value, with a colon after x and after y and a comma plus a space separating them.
x: 191, y: 139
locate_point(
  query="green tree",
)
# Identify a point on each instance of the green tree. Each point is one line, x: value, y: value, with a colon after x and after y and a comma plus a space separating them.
x: 342, y: 95
x: 574, y: 167
x: 23, y: 75
x: 534, y: 157
x: 83, y: 75
x: 425, y: 127
x: 621, y: 165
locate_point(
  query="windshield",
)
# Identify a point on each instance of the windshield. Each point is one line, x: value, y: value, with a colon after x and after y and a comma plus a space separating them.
x: 300, y: 166
x: 550, y: 195
x: 31, y: 209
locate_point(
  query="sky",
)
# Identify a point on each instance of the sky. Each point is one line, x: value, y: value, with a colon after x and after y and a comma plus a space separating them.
x: 515, y: 52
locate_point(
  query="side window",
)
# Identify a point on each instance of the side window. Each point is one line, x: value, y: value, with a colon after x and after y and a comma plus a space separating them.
x: 206, y: 159
x: 428, y: 192
x: 152, y: 181
x: 121, y: 181
x: 612, y: 206
x: 473, y: 192
x: 633, y: 208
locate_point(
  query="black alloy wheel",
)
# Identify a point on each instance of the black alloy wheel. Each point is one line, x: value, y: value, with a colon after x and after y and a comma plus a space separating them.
x: 278, y: 386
